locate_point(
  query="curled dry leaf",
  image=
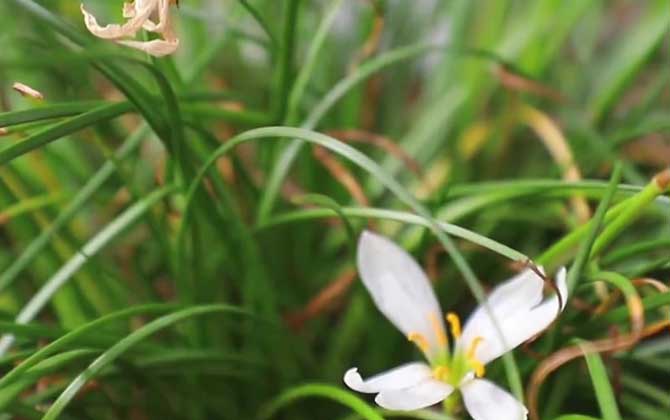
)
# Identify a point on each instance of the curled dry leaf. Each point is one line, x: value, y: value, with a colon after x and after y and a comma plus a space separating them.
x: 373, y: 41
x: 27, y: 91
x: 323, y: 301
x: 342, y: 175
x: 519, y: 83
x: 139, y: 15
x: 377, y: 140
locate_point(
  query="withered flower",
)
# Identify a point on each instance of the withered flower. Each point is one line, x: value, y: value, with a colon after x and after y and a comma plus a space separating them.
x: 140, y: 14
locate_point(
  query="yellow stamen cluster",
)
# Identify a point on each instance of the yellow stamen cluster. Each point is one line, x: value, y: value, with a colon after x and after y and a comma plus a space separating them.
x: 449, y: 369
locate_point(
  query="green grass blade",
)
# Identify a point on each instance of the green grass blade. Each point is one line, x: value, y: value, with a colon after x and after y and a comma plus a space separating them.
x: 122, y: 346
x: 47, y: 112
x: 285, y: 62
x: 584, y: 253
x: 601, y: 384
x: 77, y: 335
x: 60, y: 130
x: 99, y: 241
x: 311, y: 61
x: 260, y: 19
x: 322, y: 391
x: 78, y: 201
x: 403, y: 217
x: 629, y: 57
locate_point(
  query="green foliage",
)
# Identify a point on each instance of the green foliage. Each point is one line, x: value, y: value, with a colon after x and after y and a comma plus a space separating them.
x: 178, y: 233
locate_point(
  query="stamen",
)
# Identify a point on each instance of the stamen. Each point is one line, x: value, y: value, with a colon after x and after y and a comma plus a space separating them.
x: 455, y: 324
x: 478, y: 367
x: 476, y: 364
x: 441, y: 373
x: 440, y: 334
x: 419, y: 340
x: 473, y: 346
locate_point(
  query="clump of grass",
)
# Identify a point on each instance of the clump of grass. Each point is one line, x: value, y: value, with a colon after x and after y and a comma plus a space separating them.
x: 178, y: 233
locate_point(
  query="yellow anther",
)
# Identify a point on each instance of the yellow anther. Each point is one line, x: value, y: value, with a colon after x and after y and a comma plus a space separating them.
x: 438, y: 329
x: 419, y: 340
x: 478, y: 367
x: 474, y: 344
x: 471, y: 355
x: 455, y: 324
x: 441, y: 373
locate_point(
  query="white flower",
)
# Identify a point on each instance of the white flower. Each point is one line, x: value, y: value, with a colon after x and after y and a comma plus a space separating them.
x: 402, y: 292
x: 139, y: 16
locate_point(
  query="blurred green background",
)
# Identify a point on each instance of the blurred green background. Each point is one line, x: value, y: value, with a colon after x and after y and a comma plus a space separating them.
x: 176, y: 298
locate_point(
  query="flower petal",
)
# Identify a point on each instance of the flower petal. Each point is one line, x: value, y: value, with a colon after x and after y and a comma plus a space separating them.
x: 421, y: 395
x: 142, y: 4
x: 485, y: 400
x: 115, y: 31
x: 129, y: 10
x: 517, y: 325
x: 522, y: 291
x: 156, y: 48
x: 398, y: 378
x: 163, y: 18
x: 399, y: 288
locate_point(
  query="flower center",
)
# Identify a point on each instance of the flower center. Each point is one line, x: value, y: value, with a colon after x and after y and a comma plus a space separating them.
x: 448, y: 367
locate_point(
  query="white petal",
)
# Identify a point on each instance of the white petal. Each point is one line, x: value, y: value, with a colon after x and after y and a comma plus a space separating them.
x: 422, y: 395
x: 157, y: 47
x: 517, y: 325
x: 115, y: 31
x: 398, y: 378
x: 399, y: 287
x: 485, y: 400
x: 521, y: 291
